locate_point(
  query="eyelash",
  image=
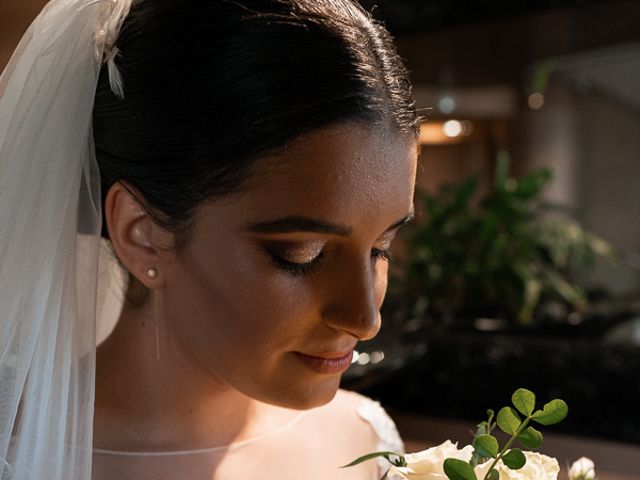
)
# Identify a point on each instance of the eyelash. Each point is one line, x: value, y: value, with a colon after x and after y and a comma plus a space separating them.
x: 296, y: 269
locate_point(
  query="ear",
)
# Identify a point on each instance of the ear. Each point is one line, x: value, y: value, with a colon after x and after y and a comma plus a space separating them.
x: 138, y: 241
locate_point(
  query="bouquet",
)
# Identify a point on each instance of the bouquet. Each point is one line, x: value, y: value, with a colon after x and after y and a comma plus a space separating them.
x: 484, y: 459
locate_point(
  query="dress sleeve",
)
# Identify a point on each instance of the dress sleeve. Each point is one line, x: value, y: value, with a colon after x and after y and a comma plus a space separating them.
x: 385, y: 429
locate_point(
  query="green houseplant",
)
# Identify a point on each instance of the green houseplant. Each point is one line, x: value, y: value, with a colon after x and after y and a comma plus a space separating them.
x: 495, y: 257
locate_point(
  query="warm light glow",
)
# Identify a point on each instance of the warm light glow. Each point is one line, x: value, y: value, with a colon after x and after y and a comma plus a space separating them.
x: 431, y: 134
x: 439, y: 133
x: 535, y: 101
x: 452, y: 128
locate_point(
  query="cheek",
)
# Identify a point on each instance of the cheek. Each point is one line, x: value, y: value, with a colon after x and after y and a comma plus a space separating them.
x: 243, y: 320
x: 242, y: 307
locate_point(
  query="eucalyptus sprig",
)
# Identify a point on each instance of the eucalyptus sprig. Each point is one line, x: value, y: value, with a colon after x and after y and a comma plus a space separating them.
x: 484, y: 428
x: 486, y: 446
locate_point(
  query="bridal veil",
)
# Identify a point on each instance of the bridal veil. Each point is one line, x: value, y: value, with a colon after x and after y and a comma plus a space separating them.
x: 50, y: 223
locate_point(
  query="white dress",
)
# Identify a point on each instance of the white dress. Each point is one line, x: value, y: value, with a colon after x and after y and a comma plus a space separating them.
x: 312, y: 445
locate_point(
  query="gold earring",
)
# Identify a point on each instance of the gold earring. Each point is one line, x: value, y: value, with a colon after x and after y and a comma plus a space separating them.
x: 152, y: 273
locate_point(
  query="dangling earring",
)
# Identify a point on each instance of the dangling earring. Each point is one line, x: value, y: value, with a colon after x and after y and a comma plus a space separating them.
x: 153, y: 273
x: 155, y: 301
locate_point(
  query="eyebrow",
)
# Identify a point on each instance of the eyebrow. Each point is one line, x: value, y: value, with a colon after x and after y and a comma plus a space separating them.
x: 296, y: 223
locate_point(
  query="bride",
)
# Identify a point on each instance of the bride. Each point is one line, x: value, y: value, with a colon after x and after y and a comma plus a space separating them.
x: 248, y: 164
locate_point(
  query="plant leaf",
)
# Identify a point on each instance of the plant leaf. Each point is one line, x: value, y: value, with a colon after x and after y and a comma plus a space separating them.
x: 486, y: 446
x: 508, y: 420
x: 553, y: 412
x: 458, y: 470
x: 465, y: 191
x: 369, y: 456
x: 501, y: 175
x: 493, y: 475
x: 524, y: 400
x: 514, y: 459
x: 531, y: 185
x: 530, y: 438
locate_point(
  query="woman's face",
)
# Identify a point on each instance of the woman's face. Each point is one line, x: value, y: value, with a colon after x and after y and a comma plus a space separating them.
x: 296, y: 263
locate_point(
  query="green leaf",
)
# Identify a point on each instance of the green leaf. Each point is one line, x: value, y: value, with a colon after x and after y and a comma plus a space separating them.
x: 530, y: 438
x: 524, y: 400
x: 486, y: 446
x: 508, y: 420
x: 458, y: 470
x: 531, y: 185
x: 501, y: 175
x: 466, y: 190
x: 514, y: 459
x: 493, y: 475
x: 553, y: 412
x: 481, y: 430
x: 369, y: 456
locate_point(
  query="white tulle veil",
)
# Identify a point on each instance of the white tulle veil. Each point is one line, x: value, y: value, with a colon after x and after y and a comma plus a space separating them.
x: 50, y: 223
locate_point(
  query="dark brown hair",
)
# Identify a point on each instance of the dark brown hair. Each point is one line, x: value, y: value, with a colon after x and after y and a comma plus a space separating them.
x: 212, y: 85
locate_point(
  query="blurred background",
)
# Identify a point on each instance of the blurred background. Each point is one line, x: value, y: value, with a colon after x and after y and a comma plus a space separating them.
x: 522, y: 268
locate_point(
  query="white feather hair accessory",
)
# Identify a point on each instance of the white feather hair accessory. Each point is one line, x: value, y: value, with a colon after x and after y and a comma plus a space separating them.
x: 106, y: 37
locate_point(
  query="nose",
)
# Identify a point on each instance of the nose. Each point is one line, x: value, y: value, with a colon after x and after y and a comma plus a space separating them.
x: 356, y: 297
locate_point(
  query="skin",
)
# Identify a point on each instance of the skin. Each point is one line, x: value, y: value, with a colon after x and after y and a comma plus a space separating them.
x: 229, y: 317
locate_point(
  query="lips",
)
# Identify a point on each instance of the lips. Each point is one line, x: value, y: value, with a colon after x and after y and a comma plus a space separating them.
x: 331, y: 355
x: 326, y: 362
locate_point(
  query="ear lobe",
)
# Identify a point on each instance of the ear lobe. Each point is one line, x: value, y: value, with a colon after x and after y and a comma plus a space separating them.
x: 132, y: 231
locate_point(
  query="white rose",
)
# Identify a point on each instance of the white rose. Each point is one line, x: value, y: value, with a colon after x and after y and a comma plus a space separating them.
x: 428, y: 464
x: 582, y: 469
x: 538, y: 467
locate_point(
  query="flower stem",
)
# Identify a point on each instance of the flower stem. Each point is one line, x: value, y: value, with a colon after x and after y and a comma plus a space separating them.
x: 522, y: 426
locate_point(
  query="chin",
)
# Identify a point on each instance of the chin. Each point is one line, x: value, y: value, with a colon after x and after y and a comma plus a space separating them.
x: 310, y: 395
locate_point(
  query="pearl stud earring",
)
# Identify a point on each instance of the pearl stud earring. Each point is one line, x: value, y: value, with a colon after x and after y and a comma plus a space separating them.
x: 152, y: 273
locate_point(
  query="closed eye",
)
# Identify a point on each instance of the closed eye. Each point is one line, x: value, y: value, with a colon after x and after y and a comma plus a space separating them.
x: 383, y: 254
x: 295, y: 268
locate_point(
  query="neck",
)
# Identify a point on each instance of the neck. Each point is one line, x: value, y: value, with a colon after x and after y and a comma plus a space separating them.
x: 146, y: 403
